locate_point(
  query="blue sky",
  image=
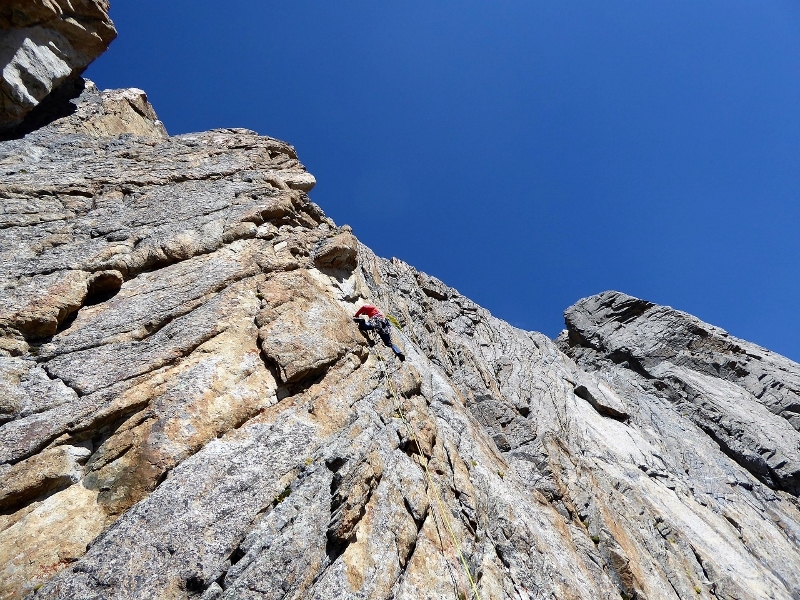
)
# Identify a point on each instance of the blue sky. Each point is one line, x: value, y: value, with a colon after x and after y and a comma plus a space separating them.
x: 528, y: 153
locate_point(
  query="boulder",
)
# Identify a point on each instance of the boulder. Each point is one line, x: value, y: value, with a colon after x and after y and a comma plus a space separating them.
x: 337, y: 252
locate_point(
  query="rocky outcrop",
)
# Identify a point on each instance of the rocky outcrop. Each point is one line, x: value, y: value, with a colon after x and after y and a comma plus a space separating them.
x: 44, y: 43
x: 743, y: 396
x: 190, y: 412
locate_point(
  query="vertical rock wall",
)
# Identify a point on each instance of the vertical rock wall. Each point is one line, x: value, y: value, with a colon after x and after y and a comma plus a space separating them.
x: 188, y: 411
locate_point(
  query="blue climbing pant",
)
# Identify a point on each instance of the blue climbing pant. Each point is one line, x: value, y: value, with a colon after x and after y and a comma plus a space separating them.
x: 383, y: 328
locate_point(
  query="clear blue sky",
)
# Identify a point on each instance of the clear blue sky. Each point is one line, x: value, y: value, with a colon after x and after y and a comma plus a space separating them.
x: 529, y: 152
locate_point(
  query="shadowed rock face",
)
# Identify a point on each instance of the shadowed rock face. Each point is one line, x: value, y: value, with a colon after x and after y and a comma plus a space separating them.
x: 44, y: 43
x: 743, y: 396
x: 188, y: 411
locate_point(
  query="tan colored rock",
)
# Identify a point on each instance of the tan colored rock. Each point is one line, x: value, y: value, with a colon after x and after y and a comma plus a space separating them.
x: 53, y: 468
x: 301, y: 329
x: 229, y: 385
x: 111, y: 113
x: 37, y: 305
x: 47, y: 540
x: 11, y: 344
x: 337, y: 252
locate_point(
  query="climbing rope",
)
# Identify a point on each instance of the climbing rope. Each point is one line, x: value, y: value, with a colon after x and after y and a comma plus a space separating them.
x: 424, y: 462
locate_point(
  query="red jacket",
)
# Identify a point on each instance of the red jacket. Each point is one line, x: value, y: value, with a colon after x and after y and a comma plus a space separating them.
x: 369, y: 310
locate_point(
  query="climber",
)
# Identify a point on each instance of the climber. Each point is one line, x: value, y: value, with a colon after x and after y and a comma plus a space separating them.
x: 376, y: 321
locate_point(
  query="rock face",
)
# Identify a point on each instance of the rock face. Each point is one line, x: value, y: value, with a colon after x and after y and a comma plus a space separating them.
x: 746, y: 398
x: 187, y: 409
x: 42, y: 44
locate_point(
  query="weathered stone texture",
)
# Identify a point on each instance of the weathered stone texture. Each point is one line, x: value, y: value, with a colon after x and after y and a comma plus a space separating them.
x: 42, y: 44
x: 743, y: 396
x: 187, y: 409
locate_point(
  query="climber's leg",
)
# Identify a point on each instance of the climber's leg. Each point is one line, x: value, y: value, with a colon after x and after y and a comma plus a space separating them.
x: 387, y: 340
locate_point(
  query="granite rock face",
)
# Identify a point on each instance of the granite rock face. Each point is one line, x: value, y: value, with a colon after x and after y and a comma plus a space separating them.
x: 746, y: 398
x: 187, y: 409
x: 44, y: 43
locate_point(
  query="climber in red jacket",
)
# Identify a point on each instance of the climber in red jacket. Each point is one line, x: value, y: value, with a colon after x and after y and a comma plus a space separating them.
x: 377, y: 322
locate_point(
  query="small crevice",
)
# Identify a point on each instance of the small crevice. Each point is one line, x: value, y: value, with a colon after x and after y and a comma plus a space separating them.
x: 67, y: 322
x: 102, y: 289
x: 71, y: 386
x: 625, y: 359
x: 335, y: 548
x: 38, y: 494
x: 195, y: 585
x: 418, y: 522
x: 347, y: 508
x: 410, y: 446
x: 161, y: 478
x: 237, y: 555
x: 406, y: 560
x: 699, y: 560
x: 295, y: 388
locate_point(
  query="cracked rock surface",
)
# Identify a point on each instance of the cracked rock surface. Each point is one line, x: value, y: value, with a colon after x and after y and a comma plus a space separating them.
x: 187, y: 409
x: 44, y: 43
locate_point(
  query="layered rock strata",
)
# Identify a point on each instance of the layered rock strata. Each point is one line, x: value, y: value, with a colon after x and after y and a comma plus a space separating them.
x: 746, y: 398
x: 44, y: 43
x: 190, y: 412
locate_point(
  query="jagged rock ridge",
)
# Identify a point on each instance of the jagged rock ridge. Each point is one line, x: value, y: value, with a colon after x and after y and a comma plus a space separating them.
x: 189, y: 412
